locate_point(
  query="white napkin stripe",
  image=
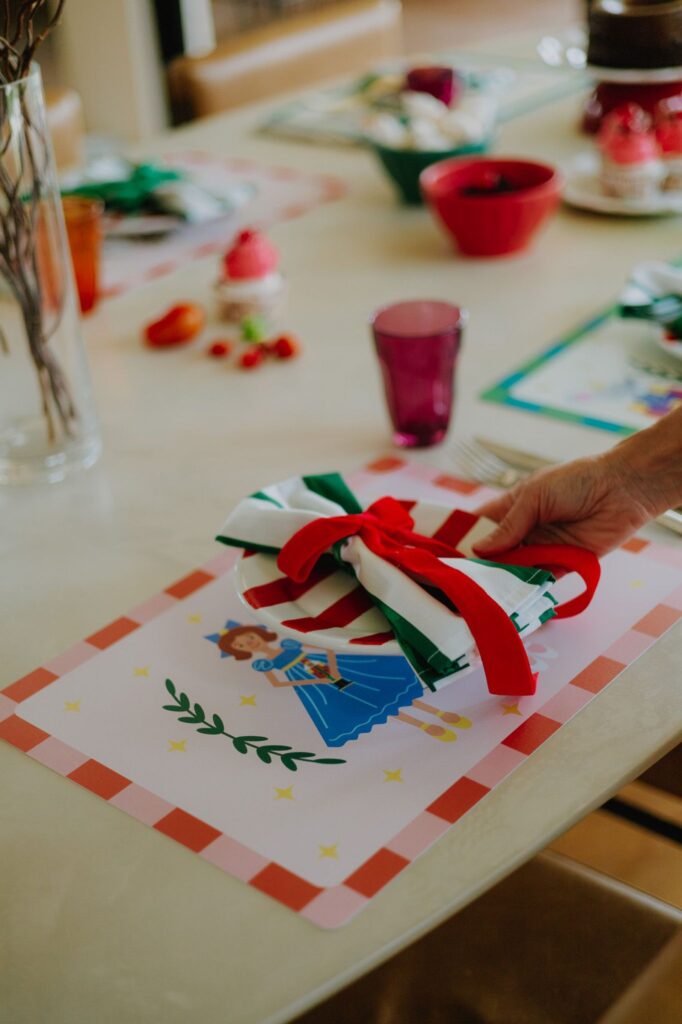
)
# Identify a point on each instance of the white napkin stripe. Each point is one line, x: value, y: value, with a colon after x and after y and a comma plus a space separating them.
x: 432, y: 618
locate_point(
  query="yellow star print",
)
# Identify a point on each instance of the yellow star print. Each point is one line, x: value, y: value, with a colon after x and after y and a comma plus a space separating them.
x: 177, y: 745
x: 143, y: 671
x: 636, y: 584
x: 395, y: 776
x: 72, y: 705
x: 194, y: 618
x: 330, y: 851
x: 248, y: 701
x: 284, y: 794
x: 511, y: 709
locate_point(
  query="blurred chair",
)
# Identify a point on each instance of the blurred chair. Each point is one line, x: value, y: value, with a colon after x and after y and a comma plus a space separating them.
x: 66, y: 125
x: 666, y: 774
x: 656, y: 995
x: 554, y: 943
x: 291, y: 53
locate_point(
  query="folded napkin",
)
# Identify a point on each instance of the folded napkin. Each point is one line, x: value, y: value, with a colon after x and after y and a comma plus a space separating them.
x: 654, y: 292
x: 128, y: 188
x: 414, y: 577
x: 121, y: 186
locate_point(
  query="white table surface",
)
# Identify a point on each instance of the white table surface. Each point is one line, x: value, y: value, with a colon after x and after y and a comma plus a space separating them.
x: 103, y: 919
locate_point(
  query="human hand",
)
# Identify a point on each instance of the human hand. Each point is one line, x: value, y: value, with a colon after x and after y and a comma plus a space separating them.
x: 595, y: 503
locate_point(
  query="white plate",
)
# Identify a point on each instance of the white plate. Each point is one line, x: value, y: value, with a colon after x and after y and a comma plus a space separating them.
x: 583, y: 189
x: 142, y: 226
x: 635, y: 76
x: 259, y: 569
x: 671, y: 348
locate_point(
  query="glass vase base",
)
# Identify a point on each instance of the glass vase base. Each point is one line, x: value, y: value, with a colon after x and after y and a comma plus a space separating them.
x: 26, y: 457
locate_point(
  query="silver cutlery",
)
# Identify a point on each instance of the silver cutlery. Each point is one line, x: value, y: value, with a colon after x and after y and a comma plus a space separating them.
x: 487, y: 466
x: 501, y: 465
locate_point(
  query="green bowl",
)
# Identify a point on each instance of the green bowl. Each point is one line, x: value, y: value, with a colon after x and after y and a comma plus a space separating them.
x: 404, y: 166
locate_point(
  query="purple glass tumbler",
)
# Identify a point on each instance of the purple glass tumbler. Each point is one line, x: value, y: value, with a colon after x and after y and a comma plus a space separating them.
x: 417, y: 345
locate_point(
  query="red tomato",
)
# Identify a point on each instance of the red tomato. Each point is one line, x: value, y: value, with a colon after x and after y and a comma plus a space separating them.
x: 285, y: 347
x: 252, y: 358
x: 180, y: 324
x: 219, y: 349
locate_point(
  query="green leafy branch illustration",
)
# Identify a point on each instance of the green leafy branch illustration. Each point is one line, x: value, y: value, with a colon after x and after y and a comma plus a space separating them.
x: 194, y: 714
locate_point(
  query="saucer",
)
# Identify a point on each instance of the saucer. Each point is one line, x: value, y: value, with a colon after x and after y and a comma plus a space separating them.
x: 671, y: 348
x: 583, y: 190
x: 634, y: 76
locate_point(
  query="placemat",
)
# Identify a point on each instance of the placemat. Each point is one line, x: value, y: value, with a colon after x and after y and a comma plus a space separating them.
x: 608, y: 373
x: 149, y: 714
x: 279, y: 193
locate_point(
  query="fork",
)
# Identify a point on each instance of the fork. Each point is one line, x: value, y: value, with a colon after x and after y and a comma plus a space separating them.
x: 481, y: 465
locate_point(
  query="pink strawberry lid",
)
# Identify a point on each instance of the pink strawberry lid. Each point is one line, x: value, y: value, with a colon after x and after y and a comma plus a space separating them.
x: 626, y: 136
x: 252, y: 256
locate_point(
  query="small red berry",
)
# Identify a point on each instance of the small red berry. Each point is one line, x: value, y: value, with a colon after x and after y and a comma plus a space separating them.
x: 220, y: 349
x: 252, y: 358
x: 285, y: 347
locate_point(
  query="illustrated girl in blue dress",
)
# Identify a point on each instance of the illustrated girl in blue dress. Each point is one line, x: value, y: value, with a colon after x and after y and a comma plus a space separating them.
x: 344, y: 694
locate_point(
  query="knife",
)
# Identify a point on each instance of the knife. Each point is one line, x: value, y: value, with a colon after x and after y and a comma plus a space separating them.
x: 519, y: 459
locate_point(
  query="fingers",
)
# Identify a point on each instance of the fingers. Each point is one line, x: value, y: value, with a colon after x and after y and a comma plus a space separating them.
x: 519, y: 514
x: 497, y: 508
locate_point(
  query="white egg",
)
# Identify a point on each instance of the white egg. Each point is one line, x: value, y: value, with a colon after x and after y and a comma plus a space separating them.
x: 459, y: 125
x: 423, y: 105
x: 427, y: 136
x: 482, y: 108
x: 388, y: 131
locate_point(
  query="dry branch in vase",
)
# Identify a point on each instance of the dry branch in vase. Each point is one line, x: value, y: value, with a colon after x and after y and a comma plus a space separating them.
x: 26, y: 218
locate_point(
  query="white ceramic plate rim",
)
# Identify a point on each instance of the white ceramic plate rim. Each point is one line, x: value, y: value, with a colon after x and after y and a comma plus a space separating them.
x: 582, y: 190
x: 635, y: 76
x: 672, y: 349
x: 318, y: 638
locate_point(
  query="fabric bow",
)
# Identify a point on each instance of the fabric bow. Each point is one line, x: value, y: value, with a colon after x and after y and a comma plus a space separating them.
x: 432, y: 570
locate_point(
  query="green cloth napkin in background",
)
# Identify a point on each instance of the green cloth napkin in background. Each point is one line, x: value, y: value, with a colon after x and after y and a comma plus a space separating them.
x: 130, y: 193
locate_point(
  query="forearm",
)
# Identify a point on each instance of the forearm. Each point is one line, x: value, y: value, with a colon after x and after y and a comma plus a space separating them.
x: 273, y: 679
x: 651, y: 462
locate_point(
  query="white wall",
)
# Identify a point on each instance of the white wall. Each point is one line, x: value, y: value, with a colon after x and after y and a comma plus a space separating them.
x: 198, y: 26
x: 107, y: 50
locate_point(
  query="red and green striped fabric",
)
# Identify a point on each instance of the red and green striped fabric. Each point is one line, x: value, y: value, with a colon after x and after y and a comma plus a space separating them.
x: 354, y: 590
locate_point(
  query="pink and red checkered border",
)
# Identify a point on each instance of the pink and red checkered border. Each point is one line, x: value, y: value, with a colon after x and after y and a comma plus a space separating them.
x: 333, y: 906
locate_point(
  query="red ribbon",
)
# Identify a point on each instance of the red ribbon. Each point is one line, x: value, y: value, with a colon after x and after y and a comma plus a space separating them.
x: 387, y: 530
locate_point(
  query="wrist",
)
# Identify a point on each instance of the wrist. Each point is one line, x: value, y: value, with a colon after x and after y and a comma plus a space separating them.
x: 648, y: 466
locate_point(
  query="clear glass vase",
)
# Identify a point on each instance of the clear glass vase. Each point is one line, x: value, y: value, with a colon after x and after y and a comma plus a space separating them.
x: 48, y: 425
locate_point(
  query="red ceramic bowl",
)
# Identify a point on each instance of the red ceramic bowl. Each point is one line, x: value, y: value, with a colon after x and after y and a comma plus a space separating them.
x: 485, y: 222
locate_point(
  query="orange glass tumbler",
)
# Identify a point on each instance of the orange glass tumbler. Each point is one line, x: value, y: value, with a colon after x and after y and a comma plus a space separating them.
x: 83, y: 218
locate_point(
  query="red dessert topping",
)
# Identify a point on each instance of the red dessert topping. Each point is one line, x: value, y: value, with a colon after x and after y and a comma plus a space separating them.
x: 252, y: 256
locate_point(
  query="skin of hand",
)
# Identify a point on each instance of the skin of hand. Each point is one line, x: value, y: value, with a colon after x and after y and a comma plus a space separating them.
x: 596, y: 503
